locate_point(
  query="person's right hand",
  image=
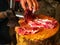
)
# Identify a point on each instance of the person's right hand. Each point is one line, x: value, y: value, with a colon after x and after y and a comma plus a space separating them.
x: 31, y: 4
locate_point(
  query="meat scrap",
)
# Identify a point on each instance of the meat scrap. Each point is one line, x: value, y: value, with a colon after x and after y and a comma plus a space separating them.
x: 25, y: 31
x: 45, y: 23
x: 36, y: 24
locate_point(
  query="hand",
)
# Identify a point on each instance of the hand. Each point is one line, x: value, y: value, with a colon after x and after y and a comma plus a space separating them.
x: 31, y: 4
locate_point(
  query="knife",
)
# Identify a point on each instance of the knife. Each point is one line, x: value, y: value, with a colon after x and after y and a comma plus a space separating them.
x: 19, y: 15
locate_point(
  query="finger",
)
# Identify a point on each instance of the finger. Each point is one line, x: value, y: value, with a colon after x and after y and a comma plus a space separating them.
x: 35, y: 5
x: 29, y: 2
x: 23, y: 2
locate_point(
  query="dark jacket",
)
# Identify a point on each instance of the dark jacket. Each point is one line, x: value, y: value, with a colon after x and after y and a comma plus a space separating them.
x: 4, y: 29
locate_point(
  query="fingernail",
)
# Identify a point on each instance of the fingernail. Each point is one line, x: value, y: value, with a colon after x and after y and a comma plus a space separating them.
x: 33, y: 11
x: 30, y: 8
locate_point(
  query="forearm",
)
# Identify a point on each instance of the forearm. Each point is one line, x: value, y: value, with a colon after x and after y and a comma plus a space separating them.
x: 3, y: 15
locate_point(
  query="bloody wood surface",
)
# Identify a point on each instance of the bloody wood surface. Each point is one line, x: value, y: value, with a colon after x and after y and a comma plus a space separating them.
x: 44, y: 34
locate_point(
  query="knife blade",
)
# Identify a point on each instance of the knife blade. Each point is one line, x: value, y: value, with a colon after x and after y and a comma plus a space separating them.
x: 19, y: 15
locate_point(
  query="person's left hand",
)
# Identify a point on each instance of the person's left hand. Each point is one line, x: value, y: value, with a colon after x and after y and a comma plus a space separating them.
x: 31, y: 4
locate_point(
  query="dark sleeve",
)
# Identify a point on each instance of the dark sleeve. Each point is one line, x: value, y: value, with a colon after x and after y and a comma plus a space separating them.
x: 3, y: 5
